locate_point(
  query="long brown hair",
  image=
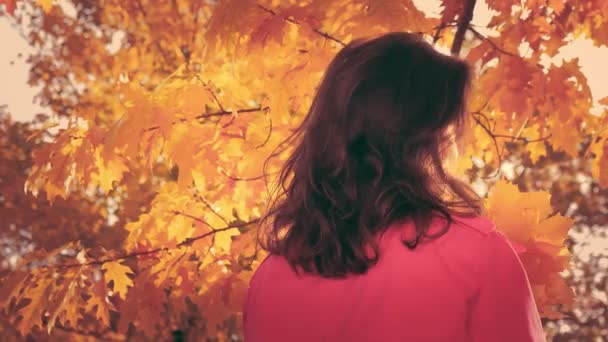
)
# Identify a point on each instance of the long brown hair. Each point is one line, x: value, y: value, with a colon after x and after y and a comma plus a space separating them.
x: 369, y: 152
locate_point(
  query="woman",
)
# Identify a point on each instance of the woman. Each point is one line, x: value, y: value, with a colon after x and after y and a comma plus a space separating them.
x: 373, y: 240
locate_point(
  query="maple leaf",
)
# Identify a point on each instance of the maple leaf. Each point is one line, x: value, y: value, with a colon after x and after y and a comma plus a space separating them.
x: 116, y: 273
x: 536, y: 148
x: 223, y: 239
x: 524, y: 218
x: 450, y: 9
x: 271, y: 28
x: 515, y: 212
x: 108, y: 171
x: 181, y: 117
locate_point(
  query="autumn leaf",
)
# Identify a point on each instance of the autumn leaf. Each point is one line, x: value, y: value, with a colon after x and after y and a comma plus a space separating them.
x: 108, y: 171
x: 143, y: 307
x: 97, y: 304
x: 36, y: 297
x: 515, y: 212
x: 170, y: 109
x: 537, y: 147
x: 117, y: 273
x: 525, y: 218
x: 45, y: 4
x: 225, y: 296
x: 223, y: 239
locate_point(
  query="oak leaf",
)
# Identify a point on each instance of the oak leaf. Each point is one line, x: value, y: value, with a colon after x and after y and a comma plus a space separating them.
x: 117, y: 273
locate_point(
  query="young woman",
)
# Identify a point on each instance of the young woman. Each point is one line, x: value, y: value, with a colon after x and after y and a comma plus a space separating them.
x: 373, y: 240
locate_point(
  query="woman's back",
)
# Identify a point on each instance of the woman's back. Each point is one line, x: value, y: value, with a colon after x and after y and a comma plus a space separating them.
x: 466, y: 285
x: 371, y: 151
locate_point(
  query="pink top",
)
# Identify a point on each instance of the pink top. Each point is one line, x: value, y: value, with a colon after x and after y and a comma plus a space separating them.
x: 468, y: 285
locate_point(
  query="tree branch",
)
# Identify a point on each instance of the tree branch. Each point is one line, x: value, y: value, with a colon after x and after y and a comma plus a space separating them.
x: 225, y: 112
x: 491, y: 42
x: 186, y: 242
x: 218, y: 113
x: 211, y: 92
x: 439, y: 28
x: 317, y: 31
x: 463, y: 23
x: 234, y: 178
x: 491, y: 135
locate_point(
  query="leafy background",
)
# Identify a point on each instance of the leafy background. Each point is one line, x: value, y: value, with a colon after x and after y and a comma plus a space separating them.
x: 144, y: 184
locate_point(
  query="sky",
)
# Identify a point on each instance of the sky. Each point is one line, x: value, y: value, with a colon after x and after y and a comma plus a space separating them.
x: 19, y: 96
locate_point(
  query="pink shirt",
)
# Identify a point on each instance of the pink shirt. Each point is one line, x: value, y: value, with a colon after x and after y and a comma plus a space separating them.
x: 468, y: 285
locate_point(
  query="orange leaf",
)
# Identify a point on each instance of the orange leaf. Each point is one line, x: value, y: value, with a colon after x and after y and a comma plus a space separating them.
x: 117, y: 274
x: 45, y: 4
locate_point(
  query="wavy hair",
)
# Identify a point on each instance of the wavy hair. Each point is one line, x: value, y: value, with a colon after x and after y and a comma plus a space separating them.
x: 370, y: 152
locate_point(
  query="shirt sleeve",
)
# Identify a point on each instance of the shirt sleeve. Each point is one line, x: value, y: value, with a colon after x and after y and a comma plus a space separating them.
x: 504, y: 308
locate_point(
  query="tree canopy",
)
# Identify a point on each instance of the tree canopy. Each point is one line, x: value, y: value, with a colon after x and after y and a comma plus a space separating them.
x: 140, y: 212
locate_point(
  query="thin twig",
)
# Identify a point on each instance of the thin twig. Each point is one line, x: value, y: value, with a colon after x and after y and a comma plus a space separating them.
x: 186, y: 242
x: 217, y: 101
x: 492, y: 136
x: 225, y: 112
x: 267, y: 136
x: 208, y: 205
x: 491, y: 42
x: 218, y: 113
x: 245, y: 179
x: 317, y: 31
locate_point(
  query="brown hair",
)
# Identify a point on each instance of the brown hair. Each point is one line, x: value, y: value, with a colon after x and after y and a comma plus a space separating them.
x: 370, y: 152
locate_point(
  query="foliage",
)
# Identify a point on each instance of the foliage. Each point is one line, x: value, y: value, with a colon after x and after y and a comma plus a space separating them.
x: 168, y: 133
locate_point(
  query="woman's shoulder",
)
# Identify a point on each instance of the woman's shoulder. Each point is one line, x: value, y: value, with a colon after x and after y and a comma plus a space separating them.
x: 480, y: 233
x: 462, y: 231
x: 476, y: 224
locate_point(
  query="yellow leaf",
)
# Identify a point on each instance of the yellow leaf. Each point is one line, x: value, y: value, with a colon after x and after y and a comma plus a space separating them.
x: 108, y: 171
x: 117, y: 274
x: 45, y: 4
x: 524, y: 218
x: 515, y: 212
x: 179, y: 229
x: 554, y: 229
x: 223, y: 239
x: 536, y: 148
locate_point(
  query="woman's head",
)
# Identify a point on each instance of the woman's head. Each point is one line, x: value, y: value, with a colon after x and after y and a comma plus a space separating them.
x: 370, y: 152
